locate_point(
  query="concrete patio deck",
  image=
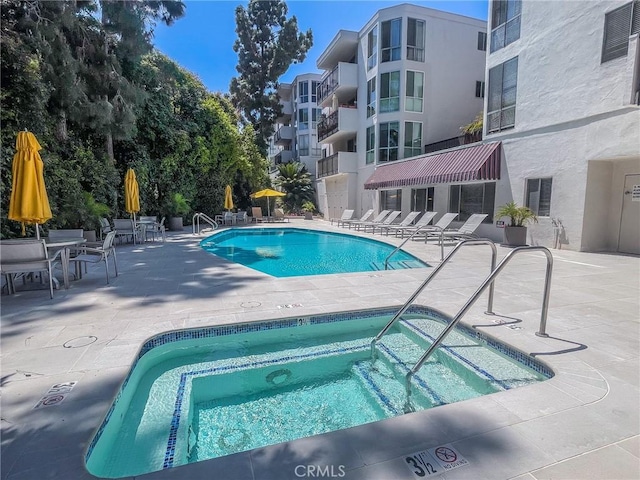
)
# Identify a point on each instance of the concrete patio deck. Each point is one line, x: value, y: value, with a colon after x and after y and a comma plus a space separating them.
x: 584, y: 423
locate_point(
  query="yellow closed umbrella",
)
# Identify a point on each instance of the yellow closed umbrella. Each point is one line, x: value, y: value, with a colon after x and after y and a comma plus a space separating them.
x: 131, y: 193
x: 267, y: 192
x: 29, y: 202
x: 228, y: 199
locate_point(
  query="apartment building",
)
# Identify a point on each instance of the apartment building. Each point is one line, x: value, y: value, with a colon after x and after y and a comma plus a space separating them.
x: 296, y: 138
x: 561, y: 129
x: 412, y: 76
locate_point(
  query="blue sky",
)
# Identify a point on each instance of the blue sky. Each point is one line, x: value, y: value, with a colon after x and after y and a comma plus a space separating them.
x: 202, y: 41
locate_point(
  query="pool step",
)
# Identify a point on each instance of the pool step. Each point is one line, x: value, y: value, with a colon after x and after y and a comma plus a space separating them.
x: 401, y: 265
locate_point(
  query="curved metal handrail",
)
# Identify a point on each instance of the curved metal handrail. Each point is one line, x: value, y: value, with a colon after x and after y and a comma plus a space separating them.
x: 425, y: 227
x: 488, y: 281
x: 195, y: 222
x: 478, y: 241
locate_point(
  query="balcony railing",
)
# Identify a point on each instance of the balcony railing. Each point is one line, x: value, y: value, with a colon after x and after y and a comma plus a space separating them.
x: 327, y: 166
x: 327, y: 125
x: 328, y: 85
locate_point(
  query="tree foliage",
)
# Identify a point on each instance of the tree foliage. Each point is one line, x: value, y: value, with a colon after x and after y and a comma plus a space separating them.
x: 267, y: 44
x: 294, y: 180
x: 81, y: 74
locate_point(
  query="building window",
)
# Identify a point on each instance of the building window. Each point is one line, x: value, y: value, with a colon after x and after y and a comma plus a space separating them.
x: 303, y: 145
x: 390, y: 43
x: 371, y: 144
x: 479, y: 89
x: 503, y: 81
x: 390, y: 92
x: 371, y: 97
x: 422, y: 199
x: 304, y: 92
x: 315, y: 116
x: 482, y: 41
x: 465, y: 200
x: 314, y: 91
x: 372, y: 48
x: 303, y: 119
x: 539, y: 196
x: 412, y: 139
x: 415, y: 91
x: 619, y: 24
x: 505, y: 23
x: 388, y: 148
x: 391, y: 200
x: 415, y: 40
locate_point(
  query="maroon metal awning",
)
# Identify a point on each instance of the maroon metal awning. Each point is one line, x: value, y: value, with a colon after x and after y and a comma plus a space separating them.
x: 476, y: 162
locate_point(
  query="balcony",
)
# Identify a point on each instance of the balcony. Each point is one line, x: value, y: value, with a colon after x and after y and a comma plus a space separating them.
x: 341, y: 81
x: 284, y: 156
x: 340, y: 124
x: 340, y: 163
x: 309, y: 152
x: 287, y: 111
x: 284, y: 135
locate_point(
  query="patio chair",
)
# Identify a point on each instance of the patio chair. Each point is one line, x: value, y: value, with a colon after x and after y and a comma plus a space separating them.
x: 105, y: 227
x: 426, y: 229
x: 378, y: 219
x: 125, y: 228
x: 256, y: 214
x: 467, y: 230
x: 346, y: 215
x: 364, y: 218
x: 157, y: 228
x: 24, y: 257
x: 278, y: 215
x: 242, y: 217
x: 228, y: 218
x: 408, y: 220
x: 387, y: 221
x: 96, y: 255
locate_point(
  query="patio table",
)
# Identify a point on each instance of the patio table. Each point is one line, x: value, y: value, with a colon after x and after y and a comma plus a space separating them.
x: 64, y: 245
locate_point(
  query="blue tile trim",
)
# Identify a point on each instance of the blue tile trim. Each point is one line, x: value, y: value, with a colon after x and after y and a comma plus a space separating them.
x: 383, y: 398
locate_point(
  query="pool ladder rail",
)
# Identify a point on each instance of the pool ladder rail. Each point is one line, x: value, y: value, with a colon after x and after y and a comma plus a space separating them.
x: 195, y: 223
x: 487, y: 283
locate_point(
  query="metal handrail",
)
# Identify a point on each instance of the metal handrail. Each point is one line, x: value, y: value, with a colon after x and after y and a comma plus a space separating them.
x: 479, y: 241
x: 488, y: 281
x: 425, y: 227
x: 195, y: 222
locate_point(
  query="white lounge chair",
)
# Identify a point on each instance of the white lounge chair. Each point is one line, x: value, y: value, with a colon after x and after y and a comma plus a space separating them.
x: 379, y: 218
x: 346, y: 215
x: 408, y: 220
x: 421, y: 224
x: 256, y: 214
x: 97, y: 255
x: 387, y: 221
x: 364, y: 218
x: 467, y: 230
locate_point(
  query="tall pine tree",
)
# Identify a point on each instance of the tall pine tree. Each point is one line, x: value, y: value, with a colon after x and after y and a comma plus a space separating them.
x: 268, y: 43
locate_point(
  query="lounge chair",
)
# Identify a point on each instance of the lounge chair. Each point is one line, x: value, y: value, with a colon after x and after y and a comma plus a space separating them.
x: 256, y: 214
x: 97, y: 255
x: 381, y: 216
x: 364, y: 218
x: 24, y: 257
x: 387, y: 221
x: 346, y: 215
x: 278, y: 215
x: 421, y: 224
x: 408, y: 220
x: 467, y: 230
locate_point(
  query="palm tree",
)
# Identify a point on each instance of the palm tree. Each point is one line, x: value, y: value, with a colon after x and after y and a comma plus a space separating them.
x: 294, y: 180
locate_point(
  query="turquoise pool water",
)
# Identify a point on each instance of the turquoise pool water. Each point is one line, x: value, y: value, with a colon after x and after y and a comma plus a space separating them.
x: 292, y: 252
x: 199, y: 394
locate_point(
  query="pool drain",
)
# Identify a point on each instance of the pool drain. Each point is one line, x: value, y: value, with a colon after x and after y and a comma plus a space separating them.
x: 233, y: 438
x: 278, y: 377
x: 79, y: 342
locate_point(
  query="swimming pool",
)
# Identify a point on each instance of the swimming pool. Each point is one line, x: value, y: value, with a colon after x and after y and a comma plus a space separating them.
x: 203, y: 393
x: 291, y: 252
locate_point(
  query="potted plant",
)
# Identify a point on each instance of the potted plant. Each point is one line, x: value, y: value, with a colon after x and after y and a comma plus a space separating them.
x: 308, y: 208
x: 516, y: 233
x: 177, y: 208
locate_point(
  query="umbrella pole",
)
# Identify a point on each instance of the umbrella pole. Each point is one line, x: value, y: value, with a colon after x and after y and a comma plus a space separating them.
x: 37, y: 231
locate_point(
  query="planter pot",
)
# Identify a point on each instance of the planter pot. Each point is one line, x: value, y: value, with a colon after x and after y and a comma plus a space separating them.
x: 308, y: 215
x: 175, y: 224
x: 515, y: 236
